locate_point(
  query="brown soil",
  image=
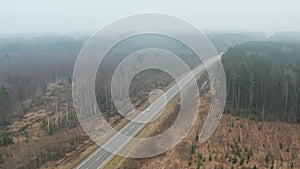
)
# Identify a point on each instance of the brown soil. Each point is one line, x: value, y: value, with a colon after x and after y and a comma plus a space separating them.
x: 268, y: 144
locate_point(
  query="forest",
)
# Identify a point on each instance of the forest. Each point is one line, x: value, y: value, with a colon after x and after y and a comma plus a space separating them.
x: 263, y: 80
x: 262, y: 83
x: 5, y: 104
x: 28, y: 65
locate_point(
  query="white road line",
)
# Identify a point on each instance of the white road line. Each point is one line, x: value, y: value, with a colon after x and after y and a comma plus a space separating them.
x: 81, y: 164
x: 98, y: 158
x: 180, y: 83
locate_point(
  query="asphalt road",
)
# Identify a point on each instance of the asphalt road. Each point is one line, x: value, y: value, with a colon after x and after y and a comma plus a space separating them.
x: 116, y: 143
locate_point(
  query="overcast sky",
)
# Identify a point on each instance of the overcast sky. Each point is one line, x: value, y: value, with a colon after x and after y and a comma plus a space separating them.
x: 22, y: 16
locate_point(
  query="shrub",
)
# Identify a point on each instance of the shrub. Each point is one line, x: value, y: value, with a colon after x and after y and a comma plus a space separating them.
x: 197, y: 136
x: 199, y: 156
x: 234, y: 160
x: 6, y: 140
x: 242, y: 161
x: 226, y: 156
x: 193, y: 149
x: 267, y: 159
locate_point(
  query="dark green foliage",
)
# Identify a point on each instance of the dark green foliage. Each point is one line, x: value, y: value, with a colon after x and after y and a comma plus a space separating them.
x: 226, y: 156
x: 280, y: 145
x: 234, y: 160
x: 5, y: 105
x: 249, y: 154
x: 199, y: 160
x: 199, y: 156
x: 267, y: 159
x: 193, y: 148
x: 236, y: 150
x: 263, y: 80
x: 242, y: 161
x: 5, y: 140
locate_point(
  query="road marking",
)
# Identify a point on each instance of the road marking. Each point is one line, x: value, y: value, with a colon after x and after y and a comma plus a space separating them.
x: 199, y: 69
x: 98, y: 158
x: 89, y: 158
x: 133, y: 126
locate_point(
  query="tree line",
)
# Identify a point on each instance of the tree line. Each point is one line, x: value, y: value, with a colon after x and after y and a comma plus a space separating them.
x: 27, y: 66
x: 5, y: 104
x: 263, y: 80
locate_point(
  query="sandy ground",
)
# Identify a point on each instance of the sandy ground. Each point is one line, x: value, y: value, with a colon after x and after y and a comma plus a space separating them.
x: 274, y: 144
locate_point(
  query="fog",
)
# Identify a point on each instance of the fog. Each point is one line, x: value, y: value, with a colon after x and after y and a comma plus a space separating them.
x: 66, y: 15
